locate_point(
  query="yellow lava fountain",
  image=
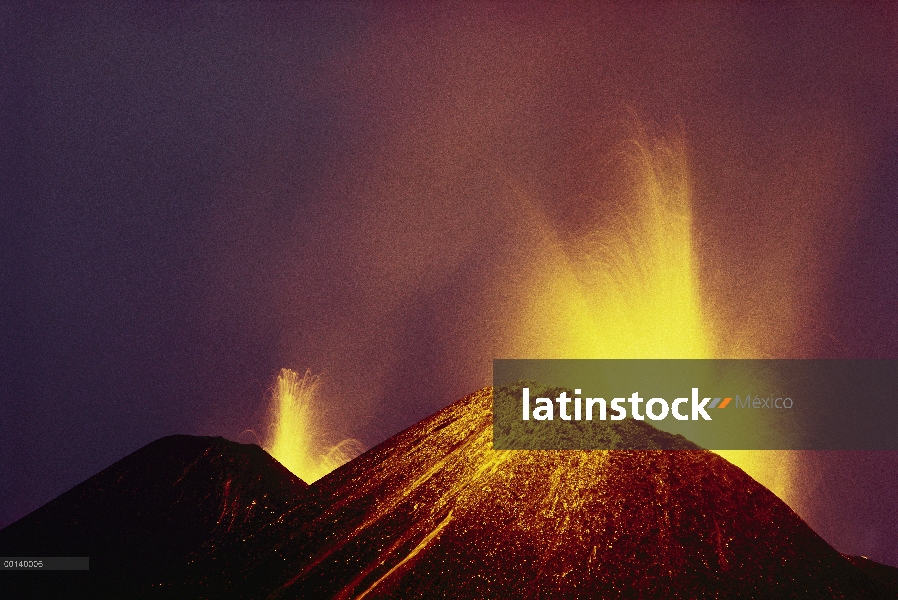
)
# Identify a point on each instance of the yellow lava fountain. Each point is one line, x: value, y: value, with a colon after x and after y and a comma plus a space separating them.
x: 630, y: 289
x: 292, y: 439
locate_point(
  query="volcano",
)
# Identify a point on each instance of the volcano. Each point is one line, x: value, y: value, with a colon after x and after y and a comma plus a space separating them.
x: 435, y: 512
x: 147, y: 521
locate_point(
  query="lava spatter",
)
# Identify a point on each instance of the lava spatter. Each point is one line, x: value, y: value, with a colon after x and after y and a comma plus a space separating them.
x: 437, y: 512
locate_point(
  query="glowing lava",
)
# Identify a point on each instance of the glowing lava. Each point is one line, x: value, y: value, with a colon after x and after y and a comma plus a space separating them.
x: 631, y: 289
x: 436, y: 512
x: 294, y: 441
x: 628, y: 289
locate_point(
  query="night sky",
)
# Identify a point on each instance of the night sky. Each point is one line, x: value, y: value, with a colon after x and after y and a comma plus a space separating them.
x: 196, y: 196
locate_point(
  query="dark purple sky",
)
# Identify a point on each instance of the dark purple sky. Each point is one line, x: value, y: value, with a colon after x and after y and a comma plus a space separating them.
x: 195, y: 196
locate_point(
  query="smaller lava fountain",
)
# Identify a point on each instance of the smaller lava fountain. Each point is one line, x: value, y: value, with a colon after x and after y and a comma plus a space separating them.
x: 293, y: 440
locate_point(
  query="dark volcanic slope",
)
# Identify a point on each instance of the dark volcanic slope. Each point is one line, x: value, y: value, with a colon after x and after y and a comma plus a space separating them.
x: 150, y: 521
x: 435, y: 512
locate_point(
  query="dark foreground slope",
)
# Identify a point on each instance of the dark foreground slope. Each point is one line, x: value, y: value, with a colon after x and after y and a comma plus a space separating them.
x: 435, y: 512
x: 150, y: 522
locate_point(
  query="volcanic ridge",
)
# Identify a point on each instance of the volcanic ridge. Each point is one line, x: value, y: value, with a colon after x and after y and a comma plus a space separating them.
x: 434, y: 512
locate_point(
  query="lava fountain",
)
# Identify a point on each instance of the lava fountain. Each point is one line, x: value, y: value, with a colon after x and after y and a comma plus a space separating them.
x: 294, y: 440
x: 628, y: 288
x: 631, y: 288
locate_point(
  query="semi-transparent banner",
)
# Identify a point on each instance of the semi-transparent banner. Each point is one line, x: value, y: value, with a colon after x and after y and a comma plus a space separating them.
x: 788, y: 404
